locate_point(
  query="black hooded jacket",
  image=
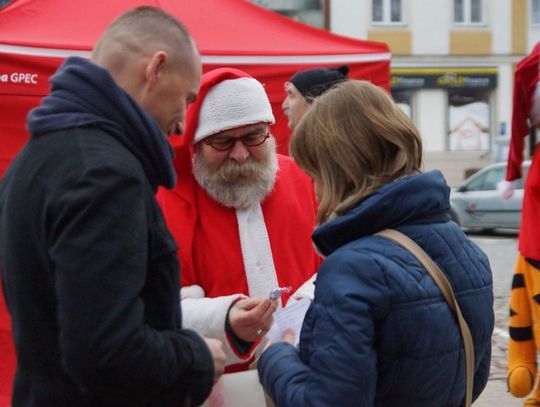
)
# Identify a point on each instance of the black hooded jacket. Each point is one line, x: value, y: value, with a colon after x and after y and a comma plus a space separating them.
x: 89, y: 268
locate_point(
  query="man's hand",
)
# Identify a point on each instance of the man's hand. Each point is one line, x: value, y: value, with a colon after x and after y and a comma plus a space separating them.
x: 251, y: 318
x: 218, y: 355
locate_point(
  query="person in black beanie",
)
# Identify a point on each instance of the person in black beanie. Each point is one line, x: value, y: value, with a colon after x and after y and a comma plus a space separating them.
x: 305, y: 86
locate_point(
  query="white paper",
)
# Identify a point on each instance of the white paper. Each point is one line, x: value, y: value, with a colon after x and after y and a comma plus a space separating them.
x: 289, y: 318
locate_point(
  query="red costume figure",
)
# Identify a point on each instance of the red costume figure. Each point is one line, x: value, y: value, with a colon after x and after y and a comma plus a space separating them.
x: 524, y: 322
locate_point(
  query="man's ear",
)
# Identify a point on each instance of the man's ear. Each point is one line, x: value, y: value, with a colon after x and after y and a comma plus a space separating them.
x: 155, y: 67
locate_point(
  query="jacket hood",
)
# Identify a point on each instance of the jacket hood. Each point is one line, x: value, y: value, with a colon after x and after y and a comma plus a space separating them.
x: 413, y: 199
x: 84, y: 95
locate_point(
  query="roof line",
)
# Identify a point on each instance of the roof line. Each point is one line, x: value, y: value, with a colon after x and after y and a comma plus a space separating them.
x: 217, y: 59
x: 295, y: 59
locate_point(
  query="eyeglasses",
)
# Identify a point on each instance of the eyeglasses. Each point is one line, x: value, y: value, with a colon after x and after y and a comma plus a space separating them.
x: 253, y: 139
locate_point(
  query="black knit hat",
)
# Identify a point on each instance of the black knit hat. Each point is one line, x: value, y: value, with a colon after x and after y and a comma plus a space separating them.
x: 314, y: 82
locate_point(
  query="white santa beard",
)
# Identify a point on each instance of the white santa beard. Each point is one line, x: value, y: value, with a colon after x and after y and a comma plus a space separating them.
x: 238, y: 185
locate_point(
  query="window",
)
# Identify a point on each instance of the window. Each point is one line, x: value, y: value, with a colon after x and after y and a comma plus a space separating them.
x: 403, y: 99
x: 468, y: 12
x: 387, y: 11
x: 535, y: 12
x: 468, y: 120
x: 488, y: 180
x: 310, y: 12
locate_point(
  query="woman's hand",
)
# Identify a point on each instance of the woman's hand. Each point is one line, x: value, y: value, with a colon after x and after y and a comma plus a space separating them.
x: 288, y: 336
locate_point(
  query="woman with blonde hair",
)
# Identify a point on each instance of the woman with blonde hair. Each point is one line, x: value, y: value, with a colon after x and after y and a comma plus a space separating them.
x: 379, y: 332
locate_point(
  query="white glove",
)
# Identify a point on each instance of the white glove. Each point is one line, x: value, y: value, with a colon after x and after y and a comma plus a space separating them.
x: 505, y: 189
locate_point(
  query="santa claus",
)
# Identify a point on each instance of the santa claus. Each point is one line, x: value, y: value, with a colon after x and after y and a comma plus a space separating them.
x: 242, y: 215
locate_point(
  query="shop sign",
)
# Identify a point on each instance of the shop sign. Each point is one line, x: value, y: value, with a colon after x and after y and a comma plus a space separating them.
x: 449, y: 78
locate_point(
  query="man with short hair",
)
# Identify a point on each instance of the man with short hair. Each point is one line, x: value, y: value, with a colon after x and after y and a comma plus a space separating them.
x: 89, y: 268
x: 241, y: 213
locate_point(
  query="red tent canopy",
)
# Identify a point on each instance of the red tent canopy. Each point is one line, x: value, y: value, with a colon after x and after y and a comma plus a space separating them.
x: 36, y: 35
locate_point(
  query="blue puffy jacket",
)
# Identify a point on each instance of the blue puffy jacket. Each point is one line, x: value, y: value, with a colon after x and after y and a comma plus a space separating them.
x: 379, y: 332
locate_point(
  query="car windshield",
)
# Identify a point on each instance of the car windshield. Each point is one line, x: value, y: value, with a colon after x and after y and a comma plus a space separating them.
x: 488, y: 180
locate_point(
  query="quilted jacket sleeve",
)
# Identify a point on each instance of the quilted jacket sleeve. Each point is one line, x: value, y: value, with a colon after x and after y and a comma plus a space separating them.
x: 338, y: 362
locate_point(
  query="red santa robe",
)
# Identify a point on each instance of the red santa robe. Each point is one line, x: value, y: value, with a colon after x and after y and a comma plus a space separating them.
x: 209, y: 237
x: 526, y: 110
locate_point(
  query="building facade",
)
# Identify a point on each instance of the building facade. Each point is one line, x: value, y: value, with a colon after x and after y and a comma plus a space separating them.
x: 452, y: 68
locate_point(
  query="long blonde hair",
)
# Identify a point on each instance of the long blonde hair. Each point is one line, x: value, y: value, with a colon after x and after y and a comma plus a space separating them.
x: 353, y: 140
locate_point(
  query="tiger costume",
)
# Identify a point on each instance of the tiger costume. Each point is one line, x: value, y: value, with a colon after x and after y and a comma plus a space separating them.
x: 524, y: 329
x: 524, y: 321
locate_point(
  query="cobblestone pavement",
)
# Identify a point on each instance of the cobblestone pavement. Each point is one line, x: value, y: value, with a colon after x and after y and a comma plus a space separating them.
x: 500, y: 339
x: 495, y: 393
x: 502, y: 252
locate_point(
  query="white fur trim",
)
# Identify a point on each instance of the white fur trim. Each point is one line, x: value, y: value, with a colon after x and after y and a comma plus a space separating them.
x: 233, y: 103
x: 192, y: 291
x: 207, y: 316
x: 256, y: 251
x: 505, y: 189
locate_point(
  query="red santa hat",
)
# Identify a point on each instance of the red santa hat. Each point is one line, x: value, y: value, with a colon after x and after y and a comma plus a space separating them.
x: 232, y: 103
x: 526, y: 109
x: 221, y: 84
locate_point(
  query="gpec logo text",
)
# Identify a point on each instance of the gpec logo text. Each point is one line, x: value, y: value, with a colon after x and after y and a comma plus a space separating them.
x: 19, y: 77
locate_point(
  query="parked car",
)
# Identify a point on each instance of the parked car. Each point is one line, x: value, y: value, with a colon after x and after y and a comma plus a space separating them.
x: 476, y: 203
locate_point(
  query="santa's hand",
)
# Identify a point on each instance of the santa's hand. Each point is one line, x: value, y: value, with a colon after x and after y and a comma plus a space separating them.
x: 251, y: 318
x: 505, y: 189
